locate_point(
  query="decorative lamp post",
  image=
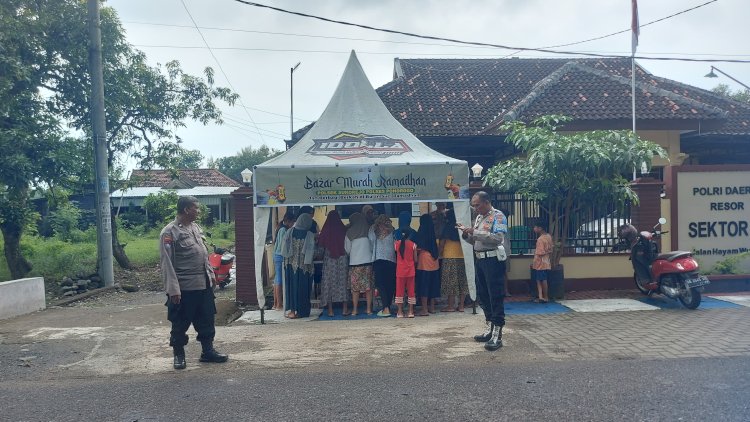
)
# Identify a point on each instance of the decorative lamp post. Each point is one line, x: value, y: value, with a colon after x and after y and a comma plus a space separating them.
x: 476, y: 170
x: 244, y: 219
x: 247, y: 177
x: 711, y: 74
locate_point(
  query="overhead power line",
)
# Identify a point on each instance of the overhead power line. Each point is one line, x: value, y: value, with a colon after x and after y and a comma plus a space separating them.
x: 330, y: 37
x: 390, y: 53
x: 628, y: 30
x: 477, y: 43
x: 221, y: 68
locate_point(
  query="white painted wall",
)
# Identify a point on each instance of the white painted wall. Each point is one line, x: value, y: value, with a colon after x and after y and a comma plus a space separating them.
x: 23, y: 296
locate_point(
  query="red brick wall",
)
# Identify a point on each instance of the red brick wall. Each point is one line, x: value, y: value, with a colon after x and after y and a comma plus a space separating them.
x: 647, y: 213
x: 244, y: 247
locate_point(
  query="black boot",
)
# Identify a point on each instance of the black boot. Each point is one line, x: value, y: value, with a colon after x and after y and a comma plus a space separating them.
x: 481, y: 338
x: 179, y: 358
x: 496, y: 340
x: 211, y: 355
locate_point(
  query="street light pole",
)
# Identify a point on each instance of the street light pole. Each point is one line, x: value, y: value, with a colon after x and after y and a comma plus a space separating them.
x: 291, y: 101
x: 711, y: 74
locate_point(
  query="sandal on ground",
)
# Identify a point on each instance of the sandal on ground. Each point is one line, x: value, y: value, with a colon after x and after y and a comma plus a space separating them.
x: 447, y: 309
x: 460, y: 310
x: 399, y: 315
x: 346, y: 313
x: 423, y: 314
x: 410, y: 316
x: 382, y: 314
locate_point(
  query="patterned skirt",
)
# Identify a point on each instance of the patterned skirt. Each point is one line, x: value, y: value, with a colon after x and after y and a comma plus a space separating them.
x: 334, y: 284
x: 453, y: 277
x: 361, y: 277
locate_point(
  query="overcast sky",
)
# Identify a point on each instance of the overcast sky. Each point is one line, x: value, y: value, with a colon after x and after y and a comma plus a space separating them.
x: 257, y: 47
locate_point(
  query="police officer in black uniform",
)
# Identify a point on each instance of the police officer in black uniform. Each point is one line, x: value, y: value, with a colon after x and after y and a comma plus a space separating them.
x: 188, y: 281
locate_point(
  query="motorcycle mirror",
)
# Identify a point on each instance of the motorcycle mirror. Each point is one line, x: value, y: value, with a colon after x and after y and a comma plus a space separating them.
x: 662, y: 220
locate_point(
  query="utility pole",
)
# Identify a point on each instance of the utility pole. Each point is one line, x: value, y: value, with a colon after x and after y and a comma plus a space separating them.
x: 103, y: 211
x: 291, y: 101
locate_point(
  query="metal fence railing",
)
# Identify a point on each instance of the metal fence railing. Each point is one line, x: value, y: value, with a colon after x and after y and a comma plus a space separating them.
x: 592, y: 230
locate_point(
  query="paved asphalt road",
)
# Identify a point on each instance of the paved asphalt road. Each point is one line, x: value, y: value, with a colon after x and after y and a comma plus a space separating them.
x: 691, y: 389
x: 107, y: 360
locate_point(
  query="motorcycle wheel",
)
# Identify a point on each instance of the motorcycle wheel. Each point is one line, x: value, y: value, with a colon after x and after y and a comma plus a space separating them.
x: 690, y: 298
x: 640, y: 287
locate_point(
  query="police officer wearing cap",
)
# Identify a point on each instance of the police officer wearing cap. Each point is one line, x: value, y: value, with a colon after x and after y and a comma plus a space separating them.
x: 188, y: 280
x: 487, y: 233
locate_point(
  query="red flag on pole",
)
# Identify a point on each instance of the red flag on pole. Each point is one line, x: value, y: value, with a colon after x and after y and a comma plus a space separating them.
x: 635, y: 25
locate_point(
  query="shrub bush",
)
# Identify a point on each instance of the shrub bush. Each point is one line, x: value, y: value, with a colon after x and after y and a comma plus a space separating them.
x: 161, y: 207
x: 730, y: 265
x: 65, y: 220
x: 54, y: 259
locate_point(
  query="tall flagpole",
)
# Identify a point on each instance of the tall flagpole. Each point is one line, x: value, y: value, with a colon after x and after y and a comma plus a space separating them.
x: 635, y: 28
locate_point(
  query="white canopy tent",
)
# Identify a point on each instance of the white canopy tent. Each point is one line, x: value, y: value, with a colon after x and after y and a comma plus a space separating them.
x: 358, y: 153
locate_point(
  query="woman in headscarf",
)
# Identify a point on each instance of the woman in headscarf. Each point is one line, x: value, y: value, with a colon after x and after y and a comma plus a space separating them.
x: 278, y: 260
x: 298, y: 251
x: 306, y: 209
x: 335, y: 263
x: 404, y: 223
x: 369, y: 212
x: 358, y: 247
x: 427, y: 277
x: 383, y: 261
x: 452, y: 270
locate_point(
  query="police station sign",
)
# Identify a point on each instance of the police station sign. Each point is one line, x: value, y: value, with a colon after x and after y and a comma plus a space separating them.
x: 713, y: 214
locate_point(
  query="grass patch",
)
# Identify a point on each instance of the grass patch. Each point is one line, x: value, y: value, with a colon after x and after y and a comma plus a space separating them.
x: 54, y: 259
x: 142, y: 248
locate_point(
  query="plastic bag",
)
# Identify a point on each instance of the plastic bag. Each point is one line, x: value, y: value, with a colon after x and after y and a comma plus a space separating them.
x: 501, y: 255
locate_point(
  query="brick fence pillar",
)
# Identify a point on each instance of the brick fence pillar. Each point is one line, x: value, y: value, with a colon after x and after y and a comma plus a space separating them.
x: 646, y: 214
x: 244, y: 246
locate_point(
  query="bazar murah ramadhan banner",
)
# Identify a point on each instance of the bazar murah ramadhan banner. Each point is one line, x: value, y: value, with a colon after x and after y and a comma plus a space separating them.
x: 352, y: 184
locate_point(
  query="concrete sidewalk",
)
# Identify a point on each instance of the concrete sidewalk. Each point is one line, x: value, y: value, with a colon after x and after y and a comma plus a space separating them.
x: 101, y: 339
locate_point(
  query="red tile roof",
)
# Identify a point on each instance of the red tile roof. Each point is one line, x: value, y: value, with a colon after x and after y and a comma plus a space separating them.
x: 465, y: 97
x: 184, y: 177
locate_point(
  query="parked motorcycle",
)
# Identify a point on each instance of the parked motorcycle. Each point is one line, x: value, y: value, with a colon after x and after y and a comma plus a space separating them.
x: 221, y: 261
x: 673, y: 274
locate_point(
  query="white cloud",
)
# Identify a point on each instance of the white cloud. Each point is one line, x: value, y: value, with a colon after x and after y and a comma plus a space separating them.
x: 261, y: 76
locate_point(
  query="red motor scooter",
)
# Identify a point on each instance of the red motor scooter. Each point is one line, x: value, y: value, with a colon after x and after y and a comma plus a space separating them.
x: 221, y: 261
x: 673, y: 274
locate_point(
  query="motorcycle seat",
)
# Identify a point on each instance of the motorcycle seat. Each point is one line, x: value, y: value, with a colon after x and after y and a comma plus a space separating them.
x: 671, y: 256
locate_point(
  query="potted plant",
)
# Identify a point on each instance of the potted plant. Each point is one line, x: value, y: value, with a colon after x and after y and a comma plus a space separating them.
x: 565, y: 172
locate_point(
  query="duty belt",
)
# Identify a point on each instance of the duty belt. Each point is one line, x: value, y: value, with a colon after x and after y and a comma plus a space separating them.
x: 485, y: 254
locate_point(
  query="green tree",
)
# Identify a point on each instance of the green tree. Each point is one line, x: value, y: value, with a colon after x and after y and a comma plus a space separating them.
x: 44, y: 47
x: 161, y: 207
x: 742, y: 96
x: 188, y: 159
x: 566, y: 172
x: 248, y: 157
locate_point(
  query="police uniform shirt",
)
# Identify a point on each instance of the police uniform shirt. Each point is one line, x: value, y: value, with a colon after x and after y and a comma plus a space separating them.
x: 489, y: 231
x: 184, y: 258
